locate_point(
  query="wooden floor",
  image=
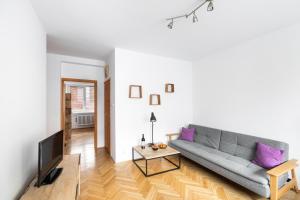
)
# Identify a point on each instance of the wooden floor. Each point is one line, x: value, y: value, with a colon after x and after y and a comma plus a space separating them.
x: 102, y: 179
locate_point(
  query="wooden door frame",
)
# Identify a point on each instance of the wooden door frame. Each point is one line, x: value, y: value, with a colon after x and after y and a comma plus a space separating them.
x: 62, y: 104
x: 109, y: 150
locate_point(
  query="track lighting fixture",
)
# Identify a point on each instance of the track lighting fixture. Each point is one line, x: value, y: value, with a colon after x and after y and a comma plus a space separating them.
x: 170, y: 25
x: 210, y: 7
x: 195, y: 18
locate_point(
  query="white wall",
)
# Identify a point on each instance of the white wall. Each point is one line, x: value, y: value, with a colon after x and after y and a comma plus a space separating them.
x: 132, y: 115
x: 74, y: 67
x: 23, y: 95
x: 253, y: 88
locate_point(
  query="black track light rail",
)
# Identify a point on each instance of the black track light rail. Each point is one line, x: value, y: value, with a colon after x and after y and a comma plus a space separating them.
x: 190, y: 13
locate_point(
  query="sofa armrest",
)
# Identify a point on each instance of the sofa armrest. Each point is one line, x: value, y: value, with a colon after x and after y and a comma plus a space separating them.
x: 274, y: 173
x: 170, y: 135
x: 283, y: 168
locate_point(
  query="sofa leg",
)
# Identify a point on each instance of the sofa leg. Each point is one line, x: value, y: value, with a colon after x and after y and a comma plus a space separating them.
x: 294, y: 176
x: 274, y: 187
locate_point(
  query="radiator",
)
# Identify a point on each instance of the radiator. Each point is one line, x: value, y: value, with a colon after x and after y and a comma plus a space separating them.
x: 83, y: 120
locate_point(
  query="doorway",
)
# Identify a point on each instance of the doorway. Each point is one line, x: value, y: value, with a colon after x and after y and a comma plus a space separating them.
x: 79, y: 113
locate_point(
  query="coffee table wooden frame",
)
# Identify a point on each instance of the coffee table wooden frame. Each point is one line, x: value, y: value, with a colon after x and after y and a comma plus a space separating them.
x: 178, y: 155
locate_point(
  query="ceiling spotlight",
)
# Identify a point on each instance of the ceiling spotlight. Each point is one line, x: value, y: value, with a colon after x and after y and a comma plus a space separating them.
x: 210, y: 6
x: 170, y: 25
x: 195, y: 18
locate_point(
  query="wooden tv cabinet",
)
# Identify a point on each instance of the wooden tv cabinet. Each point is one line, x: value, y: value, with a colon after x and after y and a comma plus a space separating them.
x: 65, y: 187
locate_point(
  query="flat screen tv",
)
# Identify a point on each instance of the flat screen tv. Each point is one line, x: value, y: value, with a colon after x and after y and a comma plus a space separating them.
x: 50, y: 155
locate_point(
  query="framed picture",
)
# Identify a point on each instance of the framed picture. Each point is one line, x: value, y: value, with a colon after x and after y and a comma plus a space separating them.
x: 154, y: 99
x: 135, y: 91
x: 169, y: 88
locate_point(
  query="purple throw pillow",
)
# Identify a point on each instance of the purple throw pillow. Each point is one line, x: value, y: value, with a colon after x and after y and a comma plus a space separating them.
x: 267, y: 156
x: 187, y: 134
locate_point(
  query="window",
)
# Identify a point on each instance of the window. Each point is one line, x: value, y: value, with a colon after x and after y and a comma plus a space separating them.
x: 82, y: 98
x: 89, y: 98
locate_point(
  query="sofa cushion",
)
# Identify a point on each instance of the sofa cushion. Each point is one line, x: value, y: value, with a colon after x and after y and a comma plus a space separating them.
x: 267, y: 156
x: 194, y: 147
x: 187, y: 134
x: 232, y: 163
x: 228, y: 142
x: 244, y: 146
x: 207, y: 136
x: 239, y: 160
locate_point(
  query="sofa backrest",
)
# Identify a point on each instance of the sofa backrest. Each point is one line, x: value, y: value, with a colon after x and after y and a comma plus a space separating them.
x: 236, y: 144
x: 207, y: 136
x: 244, y: 146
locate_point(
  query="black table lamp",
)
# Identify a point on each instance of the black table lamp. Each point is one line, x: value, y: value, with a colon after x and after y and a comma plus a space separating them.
x: 152, y: 119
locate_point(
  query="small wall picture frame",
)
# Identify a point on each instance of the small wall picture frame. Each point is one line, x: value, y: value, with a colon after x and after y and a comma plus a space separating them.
x: 169, y: 88
x: 154, y: 99
x: 135, y: 92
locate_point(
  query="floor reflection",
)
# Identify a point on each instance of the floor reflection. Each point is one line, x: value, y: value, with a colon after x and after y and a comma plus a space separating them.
x: 82, y: 142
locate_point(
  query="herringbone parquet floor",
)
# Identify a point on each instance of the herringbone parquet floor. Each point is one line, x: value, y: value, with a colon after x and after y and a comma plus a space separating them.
x: 102, y: 179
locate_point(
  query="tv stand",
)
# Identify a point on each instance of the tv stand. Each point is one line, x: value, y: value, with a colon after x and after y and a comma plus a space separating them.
x: 51, y: 177
x: 65, y: 182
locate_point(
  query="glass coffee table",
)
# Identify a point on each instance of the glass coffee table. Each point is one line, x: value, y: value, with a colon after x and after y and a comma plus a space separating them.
x: 149, y: 154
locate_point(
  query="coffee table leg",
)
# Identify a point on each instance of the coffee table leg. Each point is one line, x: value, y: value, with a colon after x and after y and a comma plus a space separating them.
x: 179, y: 161
x: 132, y: 154
x: 134, y: 161
x: 146, y: 167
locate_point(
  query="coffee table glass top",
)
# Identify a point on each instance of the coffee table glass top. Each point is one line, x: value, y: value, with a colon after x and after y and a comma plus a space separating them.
x: 149, y: 153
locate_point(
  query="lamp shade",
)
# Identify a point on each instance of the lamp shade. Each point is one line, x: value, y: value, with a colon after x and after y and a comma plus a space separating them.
x: 210, y: 6
x: 152, y: 118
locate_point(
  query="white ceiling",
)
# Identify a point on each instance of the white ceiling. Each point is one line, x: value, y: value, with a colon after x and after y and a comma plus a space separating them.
x: 92, y: 28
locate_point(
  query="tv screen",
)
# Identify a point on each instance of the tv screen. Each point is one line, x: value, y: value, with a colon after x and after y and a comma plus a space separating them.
x: 50, y: 155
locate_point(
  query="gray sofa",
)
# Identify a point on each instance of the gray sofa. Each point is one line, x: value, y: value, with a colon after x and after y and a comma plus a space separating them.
x: 229, y: 154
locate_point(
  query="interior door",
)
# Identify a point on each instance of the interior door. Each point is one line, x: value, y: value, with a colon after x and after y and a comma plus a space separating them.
x: 107, y: 114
